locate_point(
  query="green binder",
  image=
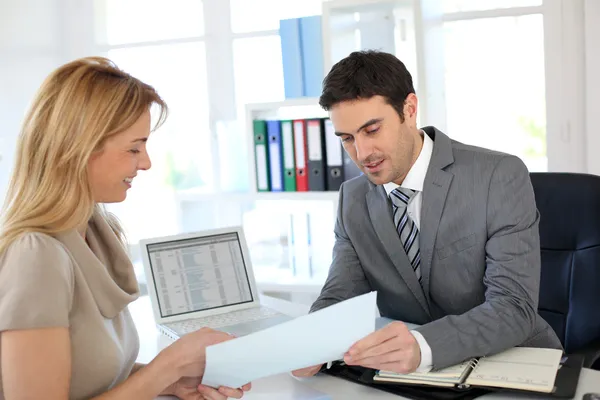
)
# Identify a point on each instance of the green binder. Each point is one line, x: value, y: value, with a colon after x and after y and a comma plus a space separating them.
x: 289, y: 159
x: 261, y: 156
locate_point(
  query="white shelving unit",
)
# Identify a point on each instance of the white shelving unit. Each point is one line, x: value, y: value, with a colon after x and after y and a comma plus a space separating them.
x: 301, y: 108
x: 298, y: 288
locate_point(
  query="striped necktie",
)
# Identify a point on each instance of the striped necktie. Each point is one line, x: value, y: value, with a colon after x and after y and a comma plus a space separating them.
x: 408, y: 231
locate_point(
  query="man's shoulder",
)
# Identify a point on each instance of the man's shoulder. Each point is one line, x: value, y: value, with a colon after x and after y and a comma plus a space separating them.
x: 482, y: 158
x: 467, y: 151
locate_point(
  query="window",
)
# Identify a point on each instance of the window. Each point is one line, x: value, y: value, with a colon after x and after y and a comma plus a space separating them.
x: 258, y: 70
x: 134, y: 21
x: 473, y: 5
x: 181, y: 149
x: 264, y: 15
x: 178, y: 73
x: 161, y: 44
x: 495, y: 94
x: 384, y: 25
x: 29, y: 24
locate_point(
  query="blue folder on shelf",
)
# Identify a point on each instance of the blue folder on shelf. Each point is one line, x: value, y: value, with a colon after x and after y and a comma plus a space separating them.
x: 312, y: 55
x: 302, y: 56
x: 275, y: 155
x: 291, y: 55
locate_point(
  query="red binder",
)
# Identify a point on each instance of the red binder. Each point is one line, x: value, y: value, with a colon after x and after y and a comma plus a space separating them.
x: 301, y: 155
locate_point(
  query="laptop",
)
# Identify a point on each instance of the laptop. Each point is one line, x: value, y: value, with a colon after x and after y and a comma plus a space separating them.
x: 204, y: 279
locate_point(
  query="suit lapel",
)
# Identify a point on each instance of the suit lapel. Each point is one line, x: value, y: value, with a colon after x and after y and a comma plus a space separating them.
x: 435, y: 190
x: 381, y: 217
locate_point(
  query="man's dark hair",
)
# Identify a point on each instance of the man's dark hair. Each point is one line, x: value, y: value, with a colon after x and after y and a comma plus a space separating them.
x: 364, y: 74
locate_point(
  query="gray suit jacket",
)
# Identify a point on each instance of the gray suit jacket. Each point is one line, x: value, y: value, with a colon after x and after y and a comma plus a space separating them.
x: 480, y: 255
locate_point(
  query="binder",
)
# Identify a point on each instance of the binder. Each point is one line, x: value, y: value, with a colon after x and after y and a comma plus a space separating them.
x: 565, y: 385
x: 334, y: 157
x: 291, y: 55
x: 311, y: 42
x: 289, y: 164
x: 275, y: 155
x: 261, y: 156
x: 316, y: 152
x: 300, y: 149
x: 351, y: 170
x: 363, y: 376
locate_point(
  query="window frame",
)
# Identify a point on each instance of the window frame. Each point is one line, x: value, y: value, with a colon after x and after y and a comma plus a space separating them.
x: 564, y: 60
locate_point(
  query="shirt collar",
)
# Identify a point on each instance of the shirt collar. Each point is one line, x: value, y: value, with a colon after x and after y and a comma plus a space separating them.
x: 416, y: 175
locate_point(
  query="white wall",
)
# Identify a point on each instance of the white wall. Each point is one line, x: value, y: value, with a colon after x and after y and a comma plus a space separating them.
x: 36, y: 36
x: 565, y: 77
x: 29, y: 48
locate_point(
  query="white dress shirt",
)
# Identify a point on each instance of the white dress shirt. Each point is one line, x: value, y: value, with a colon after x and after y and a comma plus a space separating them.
x: 414, y: 180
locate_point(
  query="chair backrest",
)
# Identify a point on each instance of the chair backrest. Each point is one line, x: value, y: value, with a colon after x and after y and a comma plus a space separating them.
x: 569, y: 206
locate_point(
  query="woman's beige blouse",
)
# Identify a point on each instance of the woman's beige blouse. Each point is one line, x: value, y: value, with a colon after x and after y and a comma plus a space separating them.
x: 64, y: 282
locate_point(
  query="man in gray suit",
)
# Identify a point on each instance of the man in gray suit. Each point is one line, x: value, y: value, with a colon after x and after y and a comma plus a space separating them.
x: 446, y: 233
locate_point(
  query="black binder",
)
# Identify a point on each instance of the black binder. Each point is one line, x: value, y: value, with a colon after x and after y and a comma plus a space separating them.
x: 317, y: 168
x: 565, y: 384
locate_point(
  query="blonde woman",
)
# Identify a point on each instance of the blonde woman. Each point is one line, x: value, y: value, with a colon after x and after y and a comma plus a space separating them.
x: 65, y: 277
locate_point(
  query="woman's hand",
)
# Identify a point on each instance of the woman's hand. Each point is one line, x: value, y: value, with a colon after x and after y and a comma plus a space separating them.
x: 188, y: 354
x: 188, y: 357
x: 190, y: 389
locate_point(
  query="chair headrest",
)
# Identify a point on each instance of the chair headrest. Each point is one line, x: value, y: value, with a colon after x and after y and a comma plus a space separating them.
x: 569, y: 206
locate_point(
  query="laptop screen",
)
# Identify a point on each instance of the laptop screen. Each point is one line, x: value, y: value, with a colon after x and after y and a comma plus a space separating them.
x: 199, y: 274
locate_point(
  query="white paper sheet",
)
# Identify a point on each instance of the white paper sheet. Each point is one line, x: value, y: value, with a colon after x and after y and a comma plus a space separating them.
x: 316, y: 338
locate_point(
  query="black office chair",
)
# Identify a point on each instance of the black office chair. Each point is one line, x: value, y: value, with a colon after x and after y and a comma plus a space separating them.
x: 569, y: 206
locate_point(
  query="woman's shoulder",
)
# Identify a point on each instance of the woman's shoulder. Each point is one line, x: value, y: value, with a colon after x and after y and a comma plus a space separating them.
x: 38, y: 242
x: 33, y: 249
x: 37, y: 283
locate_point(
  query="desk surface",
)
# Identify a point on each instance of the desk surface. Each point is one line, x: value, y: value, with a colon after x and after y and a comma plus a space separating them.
x: 151, y: 342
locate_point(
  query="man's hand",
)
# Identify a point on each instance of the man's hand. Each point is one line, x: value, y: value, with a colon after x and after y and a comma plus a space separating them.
x: 392, y: 348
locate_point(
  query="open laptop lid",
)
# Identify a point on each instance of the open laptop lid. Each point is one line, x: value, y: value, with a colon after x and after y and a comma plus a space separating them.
x: 199, y: 274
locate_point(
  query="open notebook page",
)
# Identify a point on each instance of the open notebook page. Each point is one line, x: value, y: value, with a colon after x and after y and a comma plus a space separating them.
x: 518, y: 368
x: 449, y: 375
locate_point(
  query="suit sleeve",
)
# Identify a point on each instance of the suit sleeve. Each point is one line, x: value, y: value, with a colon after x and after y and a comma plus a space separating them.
x: 507, y: 317
x: 346, y: 277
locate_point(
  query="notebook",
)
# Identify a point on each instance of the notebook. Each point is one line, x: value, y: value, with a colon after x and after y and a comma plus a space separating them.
x: 519, y: 368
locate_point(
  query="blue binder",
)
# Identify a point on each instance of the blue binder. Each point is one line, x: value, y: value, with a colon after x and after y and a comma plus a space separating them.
x: 311, y: 42
x: 291, y: 54
x: 275, y: 155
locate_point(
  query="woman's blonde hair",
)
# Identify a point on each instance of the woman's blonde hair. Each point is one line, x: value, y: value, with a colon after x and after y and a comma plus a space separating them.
x: 76, y: 109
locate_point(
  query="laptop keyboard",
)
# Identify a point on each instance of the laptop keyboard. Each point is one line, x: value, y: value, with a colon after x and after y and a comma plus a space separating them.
x: 219, y: 321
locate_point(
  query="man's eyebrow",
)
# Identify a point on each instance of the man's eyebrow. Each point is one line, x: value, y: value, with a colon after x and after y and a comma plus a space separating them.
x: 363, y: 126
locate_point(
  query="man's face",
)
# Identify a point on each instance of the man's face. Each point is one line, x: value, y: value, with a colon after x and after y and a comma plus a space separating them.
x: 376, y: 139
